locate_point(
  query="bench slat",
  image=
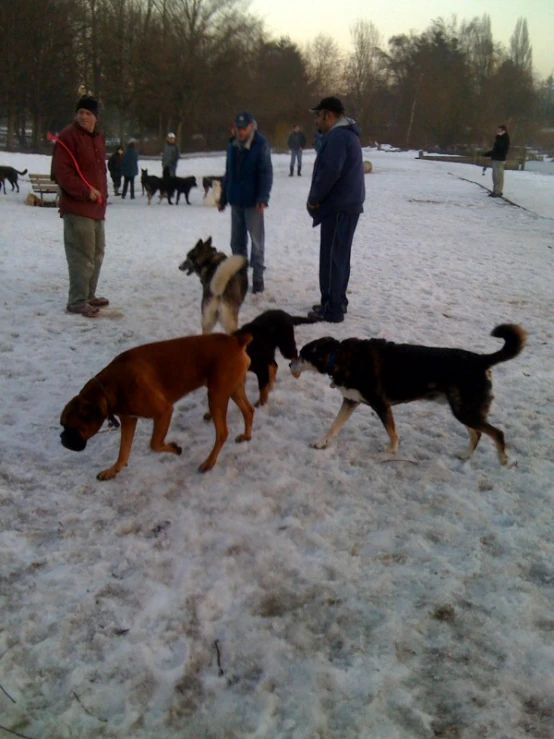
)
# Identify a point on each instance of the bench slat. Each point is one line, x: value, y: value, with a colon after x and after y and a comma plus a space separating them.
x: 43, y: 185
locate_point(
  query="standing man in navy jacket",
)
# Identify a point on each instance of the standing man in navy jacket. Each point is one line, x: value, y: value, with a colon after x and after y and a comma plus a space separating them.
x: 335, y: 202
x: 246, y: 187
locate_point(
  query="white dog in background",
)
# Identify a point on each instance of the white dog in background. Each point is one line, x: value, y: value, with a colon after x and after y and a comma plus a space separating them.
x: 213, y: 195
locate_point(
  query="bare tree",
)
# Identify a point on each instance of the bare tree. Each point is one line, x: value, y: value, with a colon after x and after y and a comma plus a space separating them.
x: 364, y: 70
x: 325, y: 66
x: 521, y: 51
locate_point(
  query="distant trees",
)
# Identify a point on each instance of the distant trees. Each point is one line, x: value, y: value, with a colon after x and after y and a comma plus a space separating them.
x: 189, y: 65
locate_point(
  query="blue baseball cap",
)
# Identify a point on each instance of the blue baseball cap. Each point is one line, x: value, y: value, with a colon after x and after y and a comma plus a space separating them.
x: 243, y: 119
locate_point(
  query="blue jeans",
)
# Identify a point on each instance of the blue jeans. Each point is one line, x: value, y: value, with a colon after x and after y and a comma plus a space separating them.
x: 246, y: 221
x: 295, y: 155
x: 337, y: 234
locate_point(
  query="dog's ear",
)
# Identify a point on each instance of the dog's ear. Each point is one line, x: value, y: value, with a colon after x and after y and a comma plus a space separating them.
x: 208, y: 241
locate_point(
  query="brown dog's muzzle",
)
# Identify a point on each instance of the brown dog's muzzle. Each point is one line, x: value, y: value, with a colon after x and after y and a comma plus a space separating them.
x: 72, y: 440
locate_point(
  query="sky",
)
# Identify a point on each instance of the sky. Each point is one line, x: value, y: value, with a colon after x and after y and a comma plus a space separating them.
x: 353, y: 594
x: 303, y: 21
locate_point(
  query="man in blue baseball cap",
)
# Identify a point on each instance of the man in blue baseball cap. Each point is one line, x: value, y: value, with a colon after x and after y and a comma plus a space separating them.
x: 247, y: 187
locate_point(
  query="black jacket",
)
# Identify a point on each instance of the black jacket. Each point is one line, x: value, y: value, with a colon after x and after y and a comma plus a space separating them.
x: 115, y: 163
x: 500, y: 148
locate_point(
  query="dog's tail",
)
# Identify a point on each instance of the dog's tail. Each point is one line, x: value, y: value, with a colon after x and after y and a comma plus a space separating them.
x: 514, y: 337
x: 18, y: 172
x: 227, y: 269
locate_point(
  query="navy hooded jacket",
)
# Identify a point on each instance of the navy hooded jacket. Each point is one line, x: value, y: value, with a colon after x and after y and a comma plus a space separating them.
x: 248, y: 174
x: 338, y: 183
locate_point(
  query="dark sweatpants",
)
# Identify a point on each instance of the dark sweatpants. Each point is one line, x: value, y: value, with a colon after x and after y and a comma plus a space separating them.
x: 337, y: 234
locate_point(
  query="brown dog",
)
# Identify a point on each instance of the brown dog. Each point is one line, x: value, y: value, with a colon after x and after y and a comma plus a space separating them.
x: 146, y: 382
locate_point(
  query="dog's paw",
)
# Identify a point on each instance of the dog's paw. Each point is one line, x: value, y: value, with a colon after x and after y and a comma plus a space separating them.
x: 319, y: 444
x: 207, y: 416
x: 176, y: 448
x: 464, y: 454
x: 206, y: 465
x: 108, y: 474
x: 242, y: 437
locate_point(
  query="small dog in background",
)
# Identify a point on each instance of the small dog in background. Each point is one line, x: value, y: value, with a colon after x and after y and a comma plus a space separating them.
x: 208, y: 182
x: 179, y: 185
x: 10, y: 174
x: 152, y: 184
x: 380, y: 374
x: 224, y: 283
x: 213, y: 196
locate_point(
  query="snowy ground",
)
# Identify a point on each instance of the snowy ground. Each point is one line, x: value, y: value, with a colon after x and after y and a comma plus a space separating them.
x: 350, y: 596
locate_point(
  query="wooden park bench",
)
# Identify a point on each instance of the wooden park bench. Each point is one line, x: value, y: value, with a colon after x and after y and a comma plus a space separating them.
x: 42, y: 185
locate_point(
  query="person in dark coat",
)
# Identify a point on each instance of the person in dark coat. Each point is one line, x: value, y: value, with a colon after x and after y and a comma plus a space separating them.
x: 335, y: 201
x: 115, y: 164
x: 296, y: 143
x: 129, y: 168
x: 498, y: 154
x: 246, y: 187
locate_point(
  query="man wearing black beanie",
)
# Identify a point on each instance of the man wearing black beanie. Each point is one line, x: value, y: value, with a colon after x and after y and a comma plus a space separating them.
x: 79, y: 168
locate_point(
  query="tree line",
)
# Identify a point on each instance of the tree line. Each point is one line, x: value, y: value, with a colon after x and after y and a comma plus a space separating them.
x: 189, y: 65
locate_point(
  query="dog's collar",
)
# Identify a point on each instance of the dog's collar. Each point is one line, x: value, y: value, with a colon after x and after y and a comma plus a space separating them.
x: 112, y: 420
x: 331, y: 361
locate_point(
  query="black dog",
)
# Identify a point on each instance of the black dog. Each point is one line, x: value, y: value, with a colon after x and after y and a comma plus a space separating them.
x: 179, y: 185
x: 10, y: 174
x: 271, y: 330
x: 152, y: 185
x: 381, y: 374
x: 207, y: 182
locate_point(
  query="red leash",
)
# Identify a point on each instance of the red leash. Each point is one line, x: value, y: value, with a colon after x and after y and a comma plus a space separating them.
x: 53, y: 137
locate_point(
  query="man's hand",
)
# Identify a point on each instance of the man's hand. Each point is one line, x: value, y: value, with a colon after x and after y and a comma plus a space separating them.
x: 261, y: 207
x: 312, y: 206
x: 94, y: 195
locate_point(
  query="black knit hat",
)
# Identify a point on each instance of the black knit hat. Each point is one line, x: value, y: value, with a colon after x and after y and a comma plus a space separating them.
x: 88, y: 103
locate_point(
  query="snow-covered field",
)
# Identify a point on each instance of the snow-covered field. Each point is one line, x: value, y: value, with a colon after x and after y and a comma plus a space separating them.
x: 349, y: 596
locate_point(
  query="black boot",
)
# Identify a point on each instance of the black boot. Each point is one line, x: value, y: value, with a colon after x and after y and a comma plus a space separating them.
x: 299, y: 172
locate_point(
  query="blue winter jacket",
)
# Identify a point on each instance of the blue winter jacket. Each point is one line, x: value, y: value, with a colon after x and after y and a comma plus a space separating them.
x: 129, y: 164
x: 248, y: 174
x: 338, y: 183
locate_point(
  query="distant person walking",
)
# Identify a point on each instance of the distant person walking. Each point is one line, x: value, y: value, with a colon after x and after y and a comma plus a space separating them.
x: 115, y: 164
x: 498, y: 155
x: 296, y: 143
x: 171, y: 155
x: 129, y: 169
x: 246, y: 187
x: 82, y: 205
x: 335, y: 201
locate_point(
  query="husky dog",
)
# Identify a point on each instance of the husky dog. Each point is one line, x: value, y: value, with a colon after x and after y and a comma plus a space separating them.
x: 10, y: 174
x: 224, y: 284
x: 213, y: 195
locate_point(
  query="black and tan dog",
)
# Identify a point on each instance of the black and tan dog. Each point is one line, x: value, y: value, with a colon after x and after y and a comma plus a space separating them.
x: 224, y: 284
x: 381, y: 374
x: 10, y: 174
x: 146, y: 382
x: 271, y: 330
